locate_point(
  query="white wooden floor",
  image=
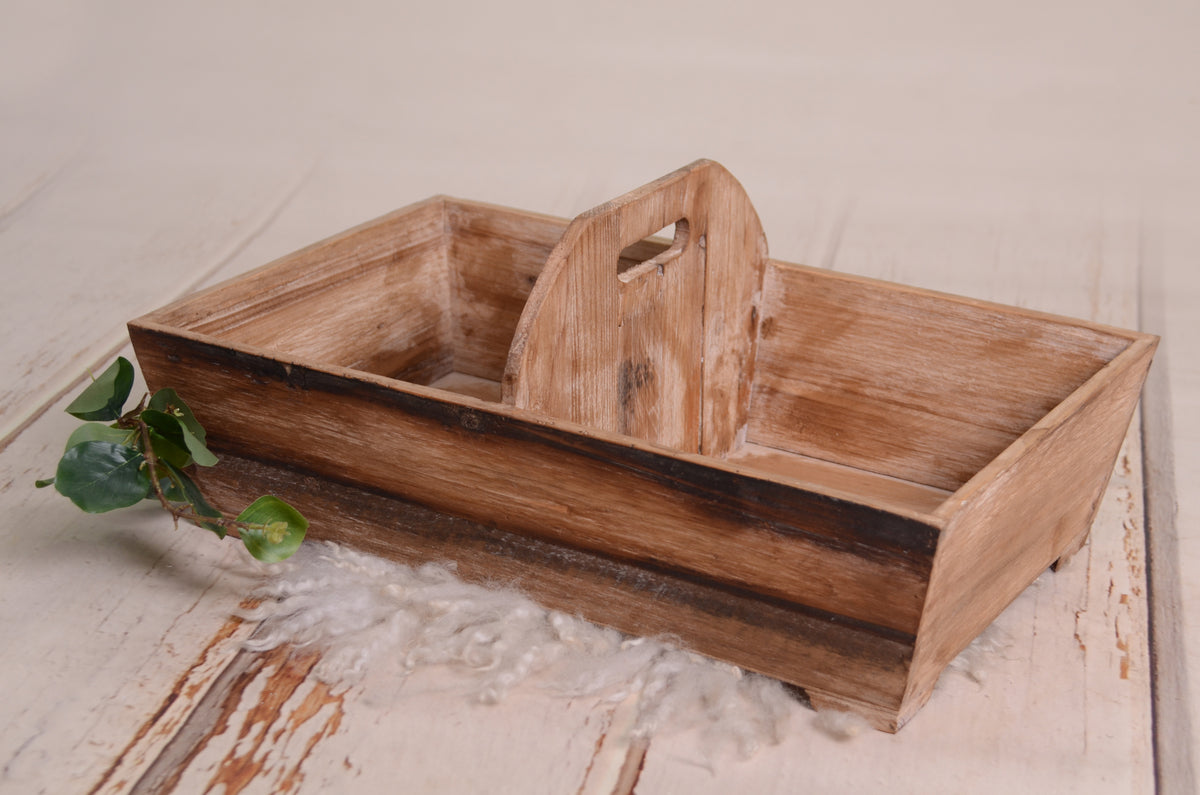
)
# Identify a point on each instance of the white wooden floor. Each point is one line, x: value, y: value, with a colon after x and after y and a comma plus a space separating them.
x: 1038, y: 154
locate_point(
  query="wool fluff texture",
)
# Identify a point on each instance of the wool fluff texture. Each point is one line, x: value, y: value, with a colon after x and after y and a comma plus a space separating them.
x: 362, y: 611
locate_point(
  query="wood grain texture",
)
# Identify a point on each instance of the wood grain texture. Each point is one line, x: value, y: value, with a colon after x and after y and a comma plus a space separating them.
x: 395, y: 288
x: 1013, y: 519
x: 579, y: 487
x: 168, y: 734
x: 906, y: 383
x: 663, y: 352
x: 495, y: 255
x: 835, y: 479
x: 270, y: 725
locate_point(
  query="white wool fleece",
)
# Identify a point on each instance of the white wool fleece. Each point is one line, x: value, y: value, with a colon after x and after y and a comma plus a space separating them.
x: 361, y: 609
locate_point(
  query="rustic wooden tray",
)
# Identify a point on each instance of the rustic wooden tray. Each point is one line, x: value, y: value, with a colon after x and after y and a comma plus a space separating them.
x: 832, y: 480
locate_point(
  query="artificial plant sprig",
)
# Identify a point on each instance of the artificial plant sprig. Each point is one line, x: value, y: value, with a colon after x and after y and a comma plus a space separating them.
x: 144, y: 453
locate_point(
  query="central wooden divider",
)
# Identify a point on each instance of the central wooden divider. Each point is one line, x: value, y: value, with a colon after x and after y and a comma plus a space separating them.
x: 663, y: 350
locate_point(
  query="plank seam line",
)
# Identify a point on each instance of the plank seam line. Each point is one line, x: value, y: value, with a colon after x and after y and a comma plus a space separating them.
x: 1171, y: 732
x: 115, y: 345
x: 266, y: 221
x: 35, y: 188
x: 842, y: 214
x: 36, y: 413
x: 631, y: 770
x: 1162, y: 573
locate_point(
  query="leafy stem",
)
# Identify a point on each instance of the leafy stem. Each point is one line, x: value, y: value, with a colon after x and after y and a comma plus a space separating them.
x: 181, y: 510
x: 145, y: 453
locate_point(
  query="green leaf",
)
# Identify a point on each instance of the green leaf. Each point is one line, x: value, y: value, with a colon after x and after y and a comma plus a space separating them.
x: 199, y: 450
x: 102, y: 476
x: 167, y: 400
x: 168, y: 451
x: 97, y: 432
x: 43, y: 483
x: 103, y: 398
x: 191, y: 495
x: 166, y: 437
x: 174, y: 428
x: 271, y: 529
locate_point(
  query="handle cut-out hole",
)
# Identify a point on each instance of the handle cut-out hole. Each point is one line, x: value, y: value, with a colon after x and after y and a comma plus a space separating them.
x: 650, y: 254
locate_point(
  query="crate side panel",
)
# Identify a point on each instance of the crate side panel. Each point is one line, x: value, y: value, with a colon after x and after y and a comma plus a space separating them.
x: 376, y: 298
x: 830, y: 659
x: 1013, y: 527
x: 390, y: 316
x: 312, y: 271
x: 905, y: 382
x: 495, y: 257
x: 387, y: 314
x: 616, y: 497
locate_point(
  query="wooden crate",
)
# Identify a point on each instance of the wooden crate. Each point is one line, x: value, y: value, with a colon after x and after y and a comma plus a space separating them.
x: 832, y: 480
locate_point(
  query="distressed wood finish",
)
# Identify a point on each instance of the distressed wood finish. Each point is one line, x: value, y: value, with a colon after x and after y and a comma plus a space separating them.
x: 663, y: 350
x: 652, y: 600
x: 1011, y: 518
x: 564, y: 483
x: 496, y: 255
x: 925, y: 387
x: 909, y: 463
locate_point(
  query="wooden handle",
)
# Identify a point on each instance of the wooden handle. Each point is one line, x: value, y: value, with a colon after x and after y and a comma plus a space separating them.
x: 663, y: 351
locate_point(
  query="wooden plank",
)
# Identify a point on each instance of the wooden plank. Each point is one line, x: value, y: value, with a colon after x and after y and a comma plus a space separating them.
x: 393, y: 289
x: 806, y: 547
x: 661, y: 317
x: 1003, y: 533
x: 496, y: 255
x: 439, y: 261
x: 837, y: 479
x: 169, y: 726
x: 269, y: 724
x: 1170, y: 291
x: 904, y: 383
